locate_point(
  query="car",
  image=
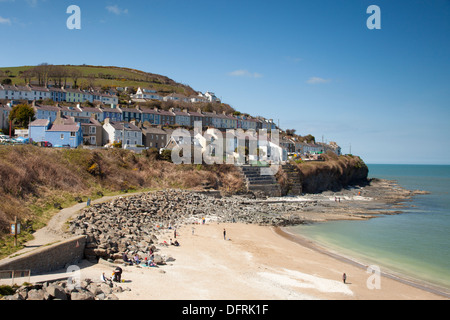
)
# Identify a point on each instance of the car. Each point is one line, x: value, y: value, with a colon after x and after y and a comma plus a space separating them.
x: 4, y: 138
x: 22, y: 140
x: 45, y: 144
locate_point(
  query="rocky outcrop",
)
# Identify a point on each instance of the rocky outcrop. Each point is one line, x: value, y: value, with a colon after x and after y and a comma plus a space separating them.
x: 333, y: 175
x: 62, y: 290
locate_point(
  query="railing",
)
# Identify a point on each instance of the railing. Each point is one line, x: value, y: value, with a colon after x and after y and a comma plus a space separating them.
x: 14, y: 274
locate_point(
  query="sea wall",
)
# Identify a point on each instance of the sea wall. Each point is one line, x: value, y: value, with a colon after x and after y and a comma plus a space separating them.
x: 48, y: 258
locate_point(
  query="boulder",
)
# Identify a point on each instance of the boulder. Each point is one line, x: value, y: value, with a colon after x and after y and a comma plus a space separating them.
x: 83, y: 295
x: 56, y: 292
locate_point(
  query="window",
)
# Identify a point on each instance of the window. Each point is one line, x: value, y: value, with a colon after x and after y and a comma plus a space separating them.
x: 73, y: 134
x: 62, y: 136
x: 93, y: 130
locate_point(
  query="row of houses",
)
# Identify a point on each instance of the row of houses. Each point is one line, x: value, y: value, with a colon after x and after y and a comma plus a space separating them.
x: 145, y: 94
x: 296, y: 146
x: 156, y: 116
x: 70, y: 132
x: 33, y: 93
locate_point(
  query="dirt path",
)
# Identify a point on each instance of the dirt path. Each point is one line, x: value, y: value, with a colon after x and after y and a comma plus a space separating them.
x: 54, y: 231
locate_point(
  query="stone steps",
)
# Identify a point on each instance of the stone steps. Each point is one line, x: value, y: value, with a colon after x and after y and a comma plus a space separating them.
x: 294, y: 179
x: 257, y: 182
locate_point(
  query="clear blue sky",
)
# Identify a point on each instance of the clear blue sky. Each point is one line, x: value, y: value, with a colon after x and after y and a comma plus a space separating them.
x: 313, y: 65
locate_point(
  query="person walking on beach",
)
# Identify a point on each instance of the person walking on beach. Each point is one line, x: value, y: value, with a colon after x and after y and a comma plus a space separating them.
x: 344, y: 277
x: 224, y: 234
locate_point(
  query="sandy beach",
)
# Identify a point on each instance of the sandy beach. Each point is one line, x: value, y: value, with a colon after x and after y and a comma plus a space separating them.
x: 254, y: 263
x: 258, y: 262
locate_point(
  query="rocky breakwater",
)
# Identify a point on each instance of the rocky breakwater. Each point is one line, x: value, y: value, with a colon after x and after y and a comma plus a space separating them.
x: 136, y: 224
x: 64, y: 290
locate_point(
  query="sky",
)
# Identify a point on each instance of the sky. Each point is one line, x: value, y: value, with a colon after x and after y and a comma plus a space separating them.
x: 310, y: 65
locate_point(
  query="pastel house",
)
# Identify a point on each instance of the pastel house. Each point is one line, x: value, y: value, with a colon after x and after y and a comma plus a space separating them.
x: 68, y: 133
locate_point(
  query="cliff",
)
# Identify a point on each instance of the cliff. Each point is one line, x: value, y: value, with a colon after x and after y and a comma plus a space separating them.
x: 334, y: 173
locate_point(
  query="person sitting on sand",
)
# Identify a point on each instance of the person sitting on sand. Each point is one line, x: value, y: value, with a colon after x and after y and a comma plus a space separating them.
x: 176, y: 244
x: 126, y: 260
x: 106, y: 280
x: 136, y: 259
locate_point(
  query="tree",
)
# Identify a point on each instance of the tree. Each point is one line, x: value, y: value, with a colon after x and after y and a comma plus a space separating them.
x: 290, y: 132
x: 21, y: 115
x: 75, y: 74
x: 310, y: 138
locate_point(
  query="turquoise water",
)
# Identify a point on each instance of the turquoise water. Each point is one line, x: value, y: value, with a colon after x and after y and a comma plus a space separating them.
x: 415, y: 244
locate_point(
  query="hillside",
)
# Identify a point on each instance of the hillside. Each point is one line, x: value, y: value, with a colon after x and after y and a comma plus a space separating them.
x: 96, y: 76
x: 103, y: 78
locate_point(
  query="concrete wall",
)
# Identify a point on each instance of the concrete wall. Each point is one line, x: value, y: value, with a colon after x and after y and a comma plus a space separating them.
x: 48, y: 258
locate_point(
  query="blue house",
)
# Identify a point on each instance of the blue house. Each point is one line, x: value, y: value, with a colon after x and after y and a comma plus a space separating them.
x: 59, y: 135
x: 113, y: 113
x: 45, y: 112
x: 151, y: 116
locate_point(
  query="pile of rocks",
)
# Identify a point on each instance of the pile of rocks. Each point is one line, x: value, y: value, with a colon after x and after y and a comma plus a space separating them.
x: 135, y: 224
x: 61, y: 290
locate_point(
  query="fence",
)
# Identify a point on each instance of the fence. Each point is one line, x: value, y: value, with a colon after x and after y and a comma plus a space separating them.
x: 25, y: 275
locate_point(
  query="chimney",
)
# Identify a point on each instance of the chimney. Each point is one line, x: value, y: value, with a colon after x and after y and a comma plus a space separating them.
x: 106, y: 120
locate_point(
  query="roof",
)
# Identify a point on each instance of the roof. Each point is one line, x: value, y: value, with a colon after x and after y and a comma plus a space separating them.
x: 124, y: 126
x: 166, y: 113
x: 180, y: 113
x: 65, y: 127
x: 40, y: 123
x: 47, y: 108
x: 154, y: 130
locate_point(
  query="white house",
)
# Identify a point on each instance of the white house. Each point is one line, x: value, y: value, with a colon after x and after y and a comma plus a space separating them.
x: 197, y: 99
x: 105, y: 98
x: 127, y: 133
x: 148, y: 94
x: 211, y: 96
x: 176, y: 97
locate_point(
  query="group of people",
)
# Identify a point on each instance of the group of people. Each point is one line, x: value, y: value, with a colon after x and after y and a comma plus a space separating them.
x: 116, y: 276
x: 137, y: 260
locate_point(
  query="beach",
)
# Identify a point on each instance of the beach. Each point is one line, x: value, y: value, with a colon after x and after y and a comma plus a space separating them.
x: 254, y: 263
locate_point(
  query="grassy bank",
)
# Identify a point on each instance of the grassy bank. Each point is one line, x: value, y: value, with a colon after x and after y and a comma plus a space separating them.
x: 37, y: 182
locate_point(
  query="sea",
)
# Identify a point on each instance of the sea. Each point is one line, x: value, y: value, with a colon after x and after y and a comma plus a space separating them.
x: 414, y: 245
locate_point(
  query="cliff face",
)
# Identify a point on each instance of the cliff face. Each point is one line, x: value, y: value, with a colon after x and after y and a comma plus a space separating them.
x: 333, y: 174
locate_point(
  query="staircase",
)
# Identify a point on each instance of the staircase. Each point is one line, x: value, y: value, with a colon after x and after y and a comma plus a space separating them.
x: 294, y: 179
x: 257, y: 182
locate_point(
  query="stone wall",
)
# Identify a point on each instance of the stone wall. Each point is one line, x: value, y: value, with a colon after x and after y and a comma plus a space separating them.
x: 48, y: 258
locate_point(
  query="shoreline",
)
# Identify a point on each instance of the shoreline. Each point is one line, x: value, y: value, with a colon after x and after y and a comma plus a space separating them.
x: 408, y: 280
x: 263, y: 262
x: 254, y: 263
